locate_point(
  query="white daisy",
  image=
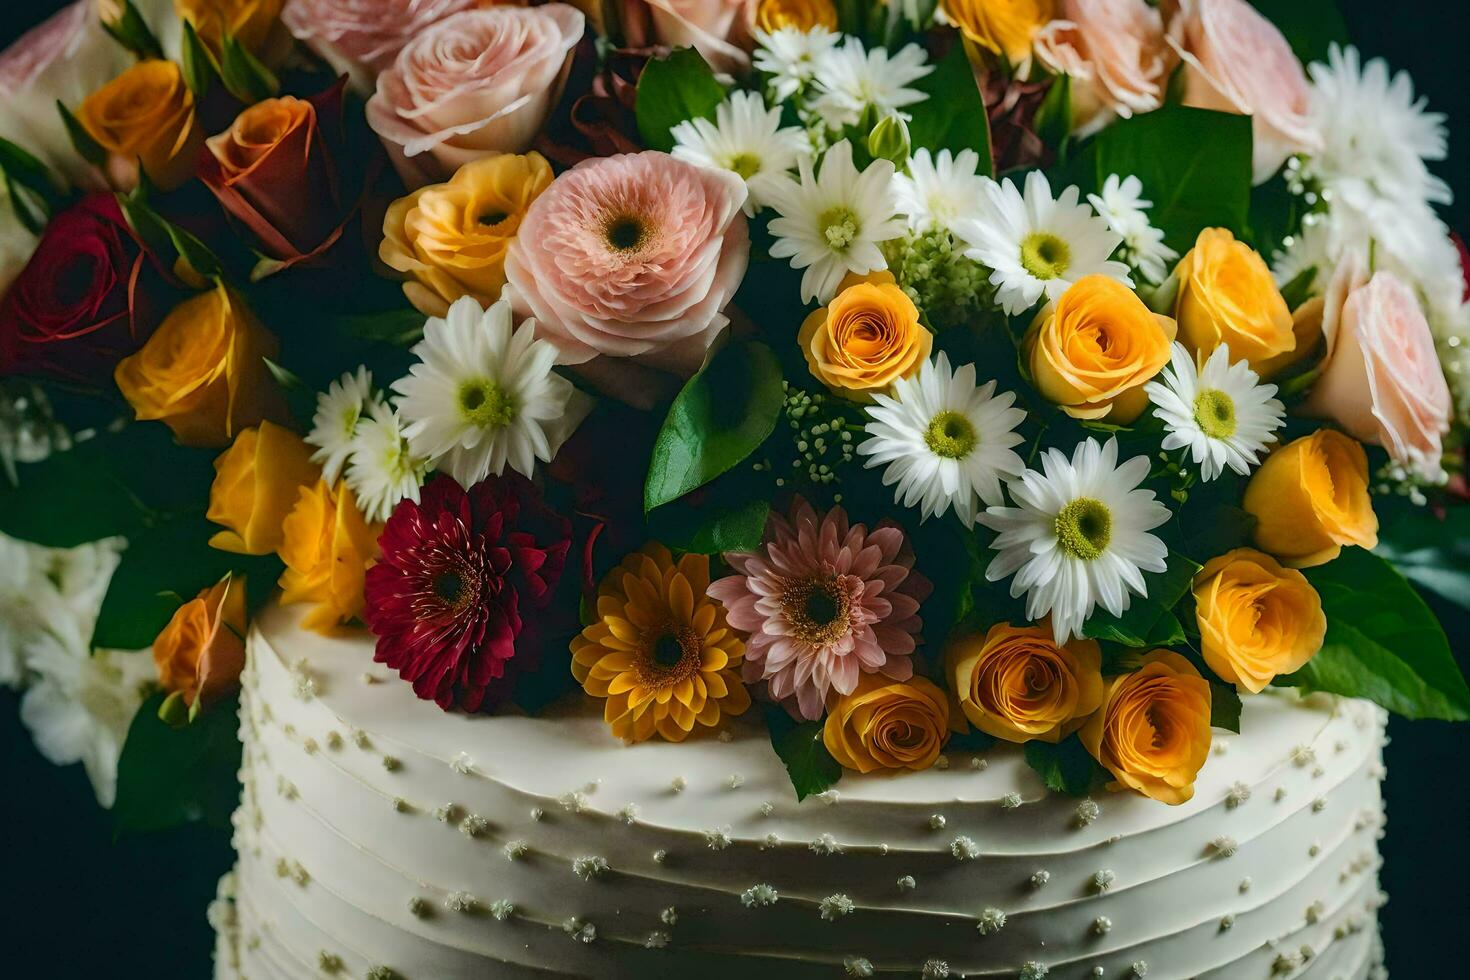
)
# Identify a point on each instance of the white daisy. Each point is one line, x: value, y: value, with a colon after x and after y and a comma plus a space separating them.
x: 1220, y: 412
x: 852, y: 78
x: 1122, y: 205
x: 745, y: 138
x: 945, y: 441
x: 334, y: 426
x: 1080, y: 537
x: 832, y: 222
x: 789, y: 57
x: 1036, y: 245
x: 383, y: 469
x: 939, y: 189
x: 483, y: 395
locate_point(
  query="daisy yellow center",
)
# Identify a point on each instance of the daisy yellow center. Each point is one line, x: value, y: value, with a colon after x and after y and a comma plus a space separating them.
x: 1084, y: 528
x: 625, y: 232
x: 950, y: 435
x: 485, y: 404
x: 839, y: 227
x: 747, y: 165
x: 816, y: 609
x: 1214, y: 412
x: 1044, y: 255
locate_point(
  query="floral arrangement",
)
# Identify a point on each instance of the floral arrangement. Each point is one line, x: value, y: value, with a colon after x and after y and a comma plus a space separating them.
x: 917, y: 375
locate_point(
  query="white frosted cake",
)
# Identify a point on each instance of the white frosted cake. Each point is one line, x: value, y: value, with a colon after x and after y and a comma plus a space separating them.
x: 380, y: 837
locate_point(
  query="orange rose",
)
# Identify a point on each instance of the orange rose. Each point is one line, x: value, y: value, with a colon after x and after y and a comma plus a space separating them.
x: 1228, y: 296
x: 203, y: 371
x: 1310, y: 497
x: 868, y: 337
x: 1092, y: 351
x: 145, y: 115
x: 1256, y: 619
x: 1016, y: 683
x: 201, y: 651
x: 1002, y: 26
x: 256, y: 483
x: 1153, y: 729
x: 327, y: 547
x: 802, y: 15
x: 887, y: 724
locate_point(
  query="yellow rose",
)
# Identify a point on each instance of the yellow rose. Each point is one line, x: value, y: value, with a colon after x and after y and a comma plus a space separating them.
x: 1002, y: 26
x: 1306, y: 328
x: 1153, y: 729
x: 256, y: 483
x: 888, y: 724
x: 803, y: 15
x: 1016, y: 683
x: 327, y: 546
x: 203, y: 371
x: 201, y: 651
x: 1256, y: 619
x: 145, y: 115
x: 254, y: 23
x: 868, y: 337
x: 1227, y: 295
x: 1092, y: 351
x: 450, y: 239
x: 1310, y: 497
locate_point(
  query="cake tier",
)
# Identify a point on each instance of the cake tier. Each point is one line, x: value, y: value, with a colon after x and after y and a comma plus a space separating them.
x: 378, y: 833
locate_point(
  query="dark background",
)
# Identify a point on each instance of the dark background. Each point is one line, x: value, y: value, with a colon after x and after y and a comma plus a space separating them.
x: 77, y: 903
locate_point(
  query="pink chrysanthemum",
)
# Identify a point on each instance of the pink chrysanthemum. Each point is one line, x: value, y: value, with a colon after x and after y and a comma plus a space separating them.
x: 824, y: 601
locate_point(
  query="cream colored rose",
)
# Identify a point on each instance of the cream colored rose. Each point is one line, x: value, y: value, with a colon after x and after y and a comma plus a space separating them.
x: 1115, y: 54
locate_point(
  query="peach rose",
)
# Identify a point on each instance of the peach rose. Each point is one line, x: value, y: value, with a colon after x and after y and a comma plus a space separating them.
x: 145, y: 116
x: 360, y: 38
x: 718, y: 29
x: 887, y: 724
x: 1310, y: 497
x: 256, y: 483
x: 201, y: 651
x: 1005, y: 27
x: 1153, y: 729
x: 1235, y: 60
x: 1115, y: 54
x: 1256, y: 619
x: 802, y: 15
x: 1016, y: 683
x: 1094, y: 348
x: 476, y: 83
x: 327, y: 546
x: 868, y: 337
x: 1227, y: 295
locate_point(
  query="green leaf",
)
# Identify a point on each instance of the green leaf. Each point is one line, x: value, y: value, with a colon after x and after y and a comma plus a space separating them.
x: 30, y: 185
x: 400, y: 328
x: 712, y: 530
x: 1309, y: 26
x: 953, y: 116
x: 721, y: 416
x: 131, y: 31
x: 799, y: 746
x: 1382, y: 643
x: 87, y: 148
x: 672, y: 90
x: 1054, y: 118
x: 169, y: 776
x: 1431, y: 551
x: 242, y: 73
x: 1066, y: 767
x: 198, y: 64
x: 1217, y: 530
x: 161, y: 234
x: 1224, y: 706
x: 1148, y: 622
x: 1299, y: 289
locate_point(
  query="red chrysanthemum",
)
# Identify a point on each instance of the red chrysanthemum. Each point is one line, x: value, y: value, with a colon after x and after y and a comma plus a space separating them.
x: 458, y: 572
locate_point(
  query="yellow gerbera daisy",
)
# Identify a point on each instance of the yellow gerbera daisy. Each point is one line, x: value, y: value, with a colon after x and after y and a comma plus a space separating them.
x: 660, y: 651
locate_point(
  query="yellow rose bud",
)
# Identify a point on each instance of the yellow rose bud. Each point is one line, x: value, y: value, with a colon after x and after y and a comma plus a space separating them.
x: 145, y: 115
x: 1153, y: 729
x: 1256, y: 618
x: 203, y: 371
x: 450, y: 239
x: 327, y: 547
x: 1227, y: 295
x: 802, y: 15
x: 201, y: 651
x: 1002, y: 26
x: 868, y: 337
x: 1310, y: 498
x: 888, y: 724
x: 1092, y: 351
x: 1016, y: 683
x: 256, y: 483
x: 254, y: 23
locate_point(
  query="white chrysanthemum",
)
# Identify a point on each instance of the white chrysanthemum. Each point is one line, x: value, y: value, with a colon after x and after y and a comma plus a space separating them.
x: 832, y: 222
x: 745, y: 138
x: 789, y: 56
x: 939, y: 189
x: 1314, y: 249
x: 851, y: 78
x: 483, y: 395
x: 945, y: 441
x: 334, y: 426
x: 1079, y: 537
x: 1220, y: 412
x: 1038, y: 246
x: 1122, y: 205
x: 383, y: 470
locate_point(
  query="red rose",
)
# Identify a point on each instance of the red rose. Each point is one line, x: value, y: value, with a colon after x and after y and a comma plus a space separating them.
x: 87, y: 298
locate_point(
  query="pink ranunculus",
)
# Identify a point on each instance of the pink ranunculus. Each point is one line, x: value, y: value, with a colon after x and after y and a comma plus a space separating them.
x: 362, y: 37
x: 632, y: 256
x: 718, y: 29
x: 473, y: 84
x: 1235, y: 60
x: 1381, y: 378
x: 1115, y: 53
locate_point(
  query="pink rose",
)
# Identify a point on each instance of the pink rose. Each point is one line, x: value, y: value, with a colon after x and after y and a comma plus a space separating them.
x: 1381, y: 379
x: 1114, y: 52
x: 475, y: 83
x: 362, y: 37
x: 718, y: 29
x: 1235, y: 60
x: 631, y: 256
